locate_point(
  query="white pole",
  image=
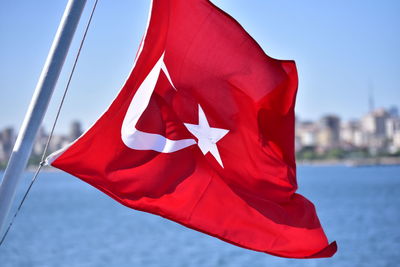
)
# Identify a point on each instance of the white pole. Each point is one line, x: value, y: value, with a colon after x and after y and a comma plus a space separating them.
x: 38, y: 106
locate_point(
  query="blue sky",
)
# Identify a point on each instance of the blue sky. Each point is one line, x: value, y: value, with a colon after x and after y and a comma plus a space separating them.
x: 342, y: 48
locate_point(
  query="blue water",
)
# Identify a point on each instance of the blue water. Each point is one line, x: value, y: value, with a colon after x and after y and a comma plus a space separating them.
x: 65, y: 222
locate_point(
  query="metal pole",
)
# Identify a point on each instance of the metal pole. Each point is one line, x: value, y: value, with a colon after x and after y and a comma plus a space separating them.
x: 38, y: 106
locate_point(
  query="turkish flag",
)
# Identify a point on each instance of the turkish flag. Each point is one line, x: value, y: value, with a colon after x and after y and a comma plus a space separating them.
x: 202, y: 133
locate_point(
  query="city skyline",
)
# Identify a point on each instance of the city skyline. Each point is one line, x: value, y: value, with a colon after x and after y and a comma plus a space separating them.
x: 344, y: 53
x: 375, y: 134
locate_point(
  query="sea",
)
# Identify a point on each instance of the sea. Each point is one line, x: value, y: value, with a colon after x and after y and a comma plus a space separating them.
x: 65, y: 222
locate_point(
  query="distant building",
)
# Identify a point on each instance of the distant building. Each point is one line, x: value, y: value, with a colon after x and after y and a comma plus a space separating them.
x: 395, y: 145
x: 329, y: 132
x: 374, y: 123
x: 75, y: 130
x: 374, y: 127
x: 3, y: 153
x: 7, y: 139
x: 40, y: 142
x: 393, y: 111
x: 306, y: 134
x: 393, y: 134
x: 58, y: 142
x: 392, y: 126
x: 351, y: 135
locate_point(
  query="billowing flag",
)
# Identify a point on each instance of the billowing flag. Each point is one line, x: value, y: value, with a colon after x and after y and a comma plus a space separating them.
x: 202, y: 133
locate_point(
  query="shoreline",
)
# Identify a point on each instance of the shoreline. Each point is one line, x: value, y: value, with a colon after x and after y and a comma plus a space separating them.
x: 365, y: 162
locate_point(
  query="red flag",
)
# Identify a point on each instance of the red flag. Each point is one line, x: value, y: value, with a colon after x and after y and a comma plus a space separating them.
x: 202, y: 133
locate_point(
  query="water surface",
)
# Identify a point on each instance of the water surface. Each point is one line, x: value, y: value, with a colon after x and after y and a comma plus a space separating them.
x: 66, y: 222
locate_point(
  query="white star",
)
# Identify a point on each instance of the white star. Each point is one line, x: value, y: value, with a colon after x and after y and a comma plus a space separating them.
x: 207, y: 136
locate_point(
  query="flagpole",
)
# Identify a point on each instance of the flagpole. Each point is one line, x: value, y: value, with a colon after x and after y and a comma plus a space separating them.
x: 38, y: 106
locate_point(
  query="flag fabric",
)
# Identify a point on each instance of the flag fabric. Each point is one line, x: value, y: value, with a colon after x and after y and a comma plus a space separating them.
x: 202, y: 133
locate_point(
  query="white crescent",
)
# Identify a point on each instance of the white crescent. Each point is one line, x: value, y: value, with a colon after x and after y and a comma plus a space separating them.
x: 136, y: 139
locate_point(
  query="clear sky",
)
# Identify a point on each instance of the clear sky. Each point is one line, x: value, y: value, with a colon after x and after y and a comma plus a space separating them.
x: 342, y: 48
